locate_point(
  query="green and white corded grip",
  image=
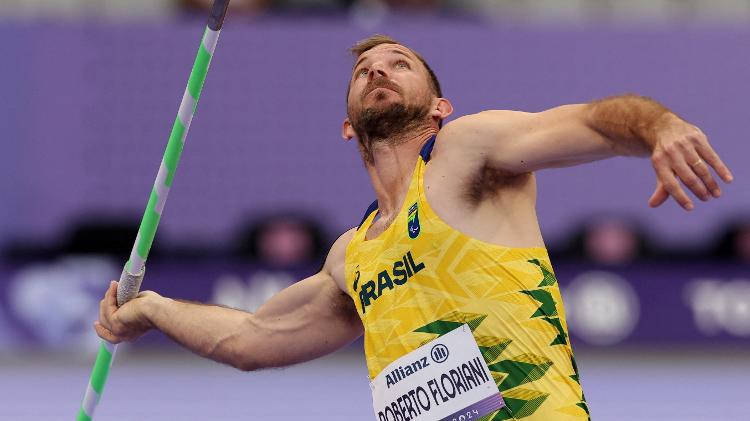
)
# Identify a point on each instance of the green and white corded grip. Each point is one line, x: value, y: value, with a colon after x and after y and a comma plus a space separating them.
x: 132, y: 274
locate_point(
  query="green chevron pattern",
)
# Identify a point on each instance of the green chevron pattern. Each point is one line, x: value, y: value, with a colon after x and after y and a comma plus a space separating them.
x: 562, y: 337
x: 520, y: 370
x: 451, y: 321
x: 549, y: 278
x: 548, y: 307
x: 492, y: 347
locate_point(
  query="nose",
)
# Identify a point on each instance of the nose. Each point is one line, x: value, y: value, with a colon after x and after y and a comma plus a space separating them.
x: 377, y: 69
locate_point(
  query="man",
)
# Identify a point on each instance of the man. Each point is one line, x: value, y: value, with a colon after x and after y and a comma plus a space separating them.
x: 447, y: 275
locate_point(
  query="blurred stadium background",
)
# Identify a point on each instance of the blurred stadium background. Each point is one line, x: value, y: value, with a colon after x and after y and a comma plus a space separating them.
x: 658, y: 301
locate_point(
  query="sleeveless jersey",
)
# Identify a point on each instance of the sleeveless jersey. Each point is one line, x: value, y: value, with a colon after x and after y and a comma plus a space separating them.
x: 421, y: 278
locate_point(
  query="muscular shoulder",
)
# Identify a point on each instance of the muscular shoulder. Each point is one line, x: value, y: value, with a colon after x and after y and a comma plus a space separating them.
x: 334, y: 264
x: 465, y: 145
x: 464, y: 165
x: 475, y: 131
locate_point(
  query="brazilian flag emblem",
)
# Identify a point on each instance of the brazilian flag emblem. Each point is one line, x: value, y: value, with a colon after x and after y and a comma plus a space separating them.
x: 413, y: 221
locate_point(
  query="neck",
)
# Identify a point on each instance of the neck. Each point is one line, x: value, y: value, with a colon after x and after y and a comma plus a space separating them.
x: 391, y: 168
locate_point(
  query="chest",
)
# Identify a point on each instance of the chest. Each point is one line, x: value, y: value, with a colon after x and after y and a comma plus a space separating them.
x: 378, y: 227
x: 389, y: 264
x: 382, y: 279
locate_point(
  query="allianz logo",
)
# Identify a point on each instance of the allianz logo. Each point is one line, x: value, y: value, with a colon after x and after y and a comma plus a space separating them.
x: 439, y: 354
x: 402, y: 372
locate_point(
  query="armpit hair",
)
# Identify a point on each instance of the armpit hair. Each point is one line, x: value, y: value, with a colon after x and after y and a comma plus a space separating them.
x: 488, y: 181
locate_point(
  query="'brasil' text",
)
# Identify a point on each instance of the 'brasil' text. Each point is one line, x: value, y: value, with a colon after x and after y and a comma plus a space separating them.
x: 400, y: 272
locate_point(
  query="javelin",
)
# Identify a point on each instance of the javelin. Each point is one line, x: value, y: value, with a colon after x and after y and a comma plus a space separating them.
x: 132, y: 273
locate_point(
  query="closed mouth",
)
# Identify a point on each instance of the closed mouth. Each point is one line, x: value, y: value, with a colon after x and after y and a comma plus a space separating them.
x: 380, y: 87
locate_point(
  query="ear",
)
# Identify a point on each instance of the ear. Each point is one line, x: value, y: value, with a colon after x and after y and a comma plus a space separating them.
x: 441, y: 109
x: 347, y: 131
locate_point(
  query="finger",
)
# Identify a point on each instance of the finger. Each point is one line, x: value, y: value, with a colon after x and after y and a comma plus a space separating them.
x: 105, y: 305
x: 672, y: 186
x: 112, y: 297
x: 103, y: 316
x: 660, y: 196
x: 701, y: 170
x: 689, y: 178
x: 712, y: 158
x: 106, y: 334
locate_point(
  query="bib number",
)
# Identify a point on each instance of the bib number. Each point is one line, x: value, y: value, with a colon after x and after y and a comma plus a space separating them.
x: 443, y: 380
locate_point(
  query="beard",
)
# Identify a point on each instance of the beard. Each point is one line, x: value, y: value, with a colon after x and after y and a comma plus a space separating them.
x: 384, y: 125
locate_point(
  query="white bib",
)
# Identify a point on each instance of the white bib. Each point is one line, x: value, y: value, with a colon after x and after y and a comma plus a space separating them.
x: 443, y: 380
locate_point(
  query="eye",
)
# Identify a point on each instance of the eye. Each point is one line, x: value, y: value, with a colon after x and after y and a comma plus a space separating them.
x: 402, y: 64
x: 361, y: 72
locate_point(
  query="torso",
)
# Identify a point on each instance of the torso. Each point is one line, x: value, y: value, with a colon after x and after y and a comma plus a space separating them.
x: 481, y: 263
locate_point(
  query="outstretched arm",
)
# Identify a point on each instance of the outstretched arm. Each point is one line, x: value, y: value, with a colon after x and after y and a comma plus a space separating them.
x: 306, y: 320
x: 627, y: 125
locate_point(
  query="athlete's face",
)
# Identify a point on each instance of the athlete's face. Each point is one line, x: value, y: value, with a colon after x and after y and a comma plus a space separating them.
x: 388, y: 76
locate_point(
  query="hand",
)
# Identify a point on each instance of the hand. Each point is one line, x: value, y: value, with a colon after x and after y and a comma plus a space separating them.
x: 126, y: 323
x: 682, y: 152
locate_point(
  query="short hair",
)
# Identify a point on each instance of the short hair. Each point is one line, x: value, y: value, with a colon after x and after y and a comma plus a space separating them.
x: 371, y: 42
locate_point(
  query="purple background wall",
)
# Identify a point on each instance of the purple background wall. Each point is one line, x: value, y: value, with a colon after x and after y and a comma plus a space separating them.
x: 649, y: 305
x: 87, y: 108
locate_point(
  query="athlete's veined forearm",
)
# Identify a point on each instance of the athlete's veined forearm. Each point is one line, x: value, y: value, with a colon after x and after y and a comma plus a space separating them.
x: 304, y: 321
x: 631, y: 122
x: 211, y: 331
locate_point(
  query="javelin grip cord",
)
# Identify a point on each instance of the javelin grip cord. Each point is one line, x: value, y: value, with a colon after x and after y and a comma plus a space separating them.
x: 132, y: 274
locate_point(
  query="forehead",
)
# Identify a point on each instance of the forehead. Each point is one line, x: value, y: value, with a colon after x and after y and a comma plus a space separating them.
x: 385, y: 49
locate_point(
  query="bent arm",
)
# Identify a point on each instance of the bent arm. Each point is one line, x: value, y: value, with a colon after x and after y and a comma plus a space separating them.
x: 306, y: 320
x: 521, y: 142
x: 629, y: 125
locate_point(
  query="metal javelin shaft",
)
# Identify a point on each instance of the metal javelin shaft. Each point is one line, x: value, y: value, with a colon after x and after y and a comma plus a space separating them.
x: 132, y: 273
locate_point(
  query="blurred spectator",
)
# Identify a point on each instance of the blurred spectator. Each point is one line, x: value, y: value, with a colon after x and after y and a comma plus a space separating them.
x: 101, y: 235
x: 284, y: 247
x: 20, y: 250
x: 742, y: 244
x: 734, y: 243
x: 89, y: 235
x: 607, y: 240
x: 611, y: 242
x: 284, y: 241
